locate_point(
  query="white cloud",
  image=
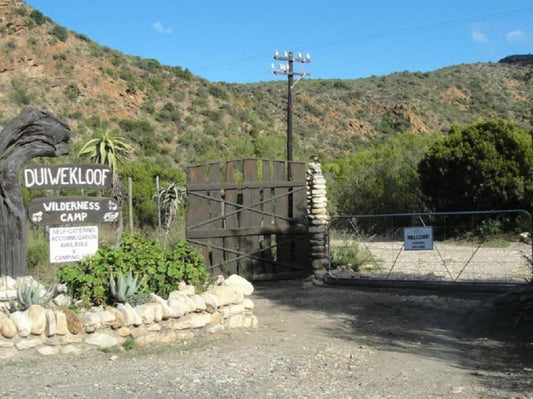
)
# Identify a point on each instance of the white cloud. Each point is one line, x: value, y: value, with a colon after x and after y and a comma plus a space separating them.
x: 159, y: 27
x: 515, y: 36
x: 479, y: 37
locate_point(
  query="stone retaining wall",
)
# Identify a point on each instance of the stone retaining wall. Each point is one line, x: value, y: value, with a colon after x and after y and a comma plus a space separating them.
x: 184, y: 315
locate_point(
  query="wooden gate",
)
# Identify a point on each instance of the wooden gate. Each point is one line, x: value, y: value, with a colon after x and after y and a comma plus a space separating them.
x: 248, y: 218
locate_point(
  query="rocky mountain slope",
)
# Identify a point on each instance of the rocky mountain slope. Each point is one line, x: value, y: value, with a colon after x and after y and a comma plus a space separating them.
x: 168, y: 113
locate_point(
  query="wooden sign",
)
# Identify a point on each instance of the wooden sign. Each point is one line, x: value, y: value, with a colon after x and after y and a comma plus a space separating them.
x: 97, y: 177
x: 73, y: 209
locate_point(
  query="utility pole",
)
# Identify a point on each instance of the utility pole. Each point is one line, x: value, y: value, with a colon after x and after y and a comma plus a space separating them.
x: 288, y: 70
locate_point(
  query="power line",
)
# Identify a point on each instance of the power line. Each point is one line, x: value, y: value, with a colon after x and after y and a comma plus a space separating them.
x: 421, y: 28
x: 370, y: 36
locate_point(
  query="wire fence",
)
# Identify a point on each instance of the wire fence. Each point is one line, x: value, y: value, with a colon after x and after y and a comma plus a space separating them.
x: 482, y: 246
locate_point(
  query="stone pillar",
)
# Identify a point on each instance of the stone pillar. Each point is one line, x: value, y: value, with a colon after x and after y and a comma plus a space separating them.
x: 317, y: 213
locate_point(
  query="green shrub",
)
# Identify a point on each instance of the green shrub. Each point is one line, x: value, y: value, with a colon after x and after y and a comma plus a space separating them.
x: 382, y: 178
x: 38, y: 17
x: 20, y: 11
x: 487, y: 165
x: 352, y: 255
x: 169, y: 112
x: 38, y: 250
x: 129, y: 343
x: 19, y: 93
x: 72, y: 91
x: 32, y: 43
x: 89, y: 281
x: 60, y: 32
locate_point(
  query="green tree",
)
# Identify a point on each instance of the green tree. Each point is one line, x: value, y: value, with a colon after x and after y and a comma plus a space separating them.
x: 382, y: 178
x: 479, y: 167
x: 106, y: 149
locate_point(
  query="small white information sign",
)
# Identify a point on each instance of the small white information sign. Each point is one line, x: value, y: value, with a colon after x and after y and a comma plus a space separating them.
x: 70, y: 244
x: 418, y: 238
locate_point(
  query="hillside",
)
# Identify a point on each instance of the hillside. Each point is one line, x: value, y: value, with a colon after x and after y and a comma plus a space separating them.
x: 171, y: 115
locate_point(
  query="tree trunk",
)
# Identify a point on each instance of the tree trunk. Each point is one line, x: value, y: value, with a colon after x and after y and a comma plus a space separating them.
x: 32, y: 134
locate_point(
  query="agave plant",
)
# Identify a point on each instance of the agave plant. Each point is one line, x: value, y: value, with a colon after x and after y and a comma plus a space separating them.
x: 169, y: 200
x: 124, y: 287
x: 29, y: 292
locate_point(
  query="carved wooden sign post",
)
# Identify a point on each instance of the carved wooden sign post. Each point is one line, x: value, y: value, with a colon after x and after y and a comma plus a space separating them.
x: 97, y: 177
x: 73, y: 209
x: 70, y: 244
x: 33, y: 133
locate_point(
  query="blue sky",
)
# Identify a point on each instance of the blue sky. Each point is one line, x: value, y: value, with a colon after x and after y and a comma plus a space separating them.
x: 235, y: 40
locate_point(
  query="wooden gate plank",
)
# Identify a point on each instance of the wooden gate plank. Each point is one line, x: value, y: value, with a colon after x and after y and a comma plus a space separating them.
x: 250, y: 198
x: 283, y: 253
x: 300, y: 247
x: 197, y: 210
x: 268, y: 219
x: 231, y: 220
x: 282, y: 203
x: 215, y: 214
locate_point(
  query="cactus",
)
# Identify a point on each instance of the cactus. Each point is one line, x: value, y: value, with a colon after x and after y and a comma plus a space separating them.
x: 124, y: 288
x: 29, y: 293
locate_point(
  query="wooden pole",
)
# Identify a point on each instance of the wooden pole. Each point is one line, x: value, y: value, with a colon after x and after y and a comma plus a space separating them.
x: 130, y: 205
x: 158, y: 205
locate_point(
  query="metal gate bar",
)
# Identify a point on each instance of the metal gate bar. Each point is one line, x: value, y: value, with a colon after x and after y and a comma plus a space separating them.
x: 444, y: 222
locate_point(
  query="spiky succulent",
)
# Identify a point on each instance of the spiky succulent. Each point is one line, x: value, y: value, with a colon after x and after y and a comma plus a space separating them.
x: 29, y: 292
x: 124, y: 287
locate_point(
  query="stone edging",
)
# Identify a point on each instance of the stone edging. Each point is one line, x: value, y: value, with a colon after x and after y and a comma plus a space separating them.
x: 182, y: 316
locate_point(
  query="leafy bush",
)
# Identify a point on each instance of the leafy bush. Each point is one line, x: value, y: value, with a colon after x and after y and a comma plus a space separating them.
x: 352, y: 255
x: 169, y: 112
x: 72, y: 91
x: 19, y: 93
x: 143, y: 174
x: 218, y: 91
x: 38, y: 249
x: 38, y: 17
x: 89, y: 279
x: 382, y: 178
x: 60, y: 32
x: 483, y: 166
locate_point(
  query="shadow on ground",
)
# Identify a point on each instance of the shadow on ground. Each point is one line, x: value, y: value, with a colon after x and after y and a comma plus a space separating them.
x: 462, y: 329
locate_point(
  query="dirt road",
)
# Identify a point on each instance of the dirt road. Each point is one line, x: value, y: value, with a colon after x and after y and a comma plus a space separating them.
x: 312, y: 342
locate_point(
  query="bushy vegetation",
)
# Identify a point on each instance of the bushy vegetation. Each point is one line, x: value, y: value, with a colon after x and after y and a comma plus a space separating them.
x: 59, y: 32
x: 381, y: 178
x: 484, y: 166
x: 353, y: 255
x: 143, y: 175
x: 162, y: 268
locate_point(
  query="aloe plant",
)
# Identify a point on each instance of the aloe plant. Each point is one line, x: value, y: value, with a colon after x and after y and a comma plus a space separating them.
x: 29, y: 293
x: 124, y: 287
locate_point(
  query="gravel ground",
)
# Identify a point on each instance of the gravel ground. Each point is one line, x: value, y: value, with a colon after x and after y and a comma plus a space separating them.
x: 312, y: 342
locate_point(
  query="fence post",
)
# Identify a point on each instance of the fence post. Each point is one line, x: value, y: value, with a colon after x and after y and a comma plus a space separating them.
x: 317, y: 213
